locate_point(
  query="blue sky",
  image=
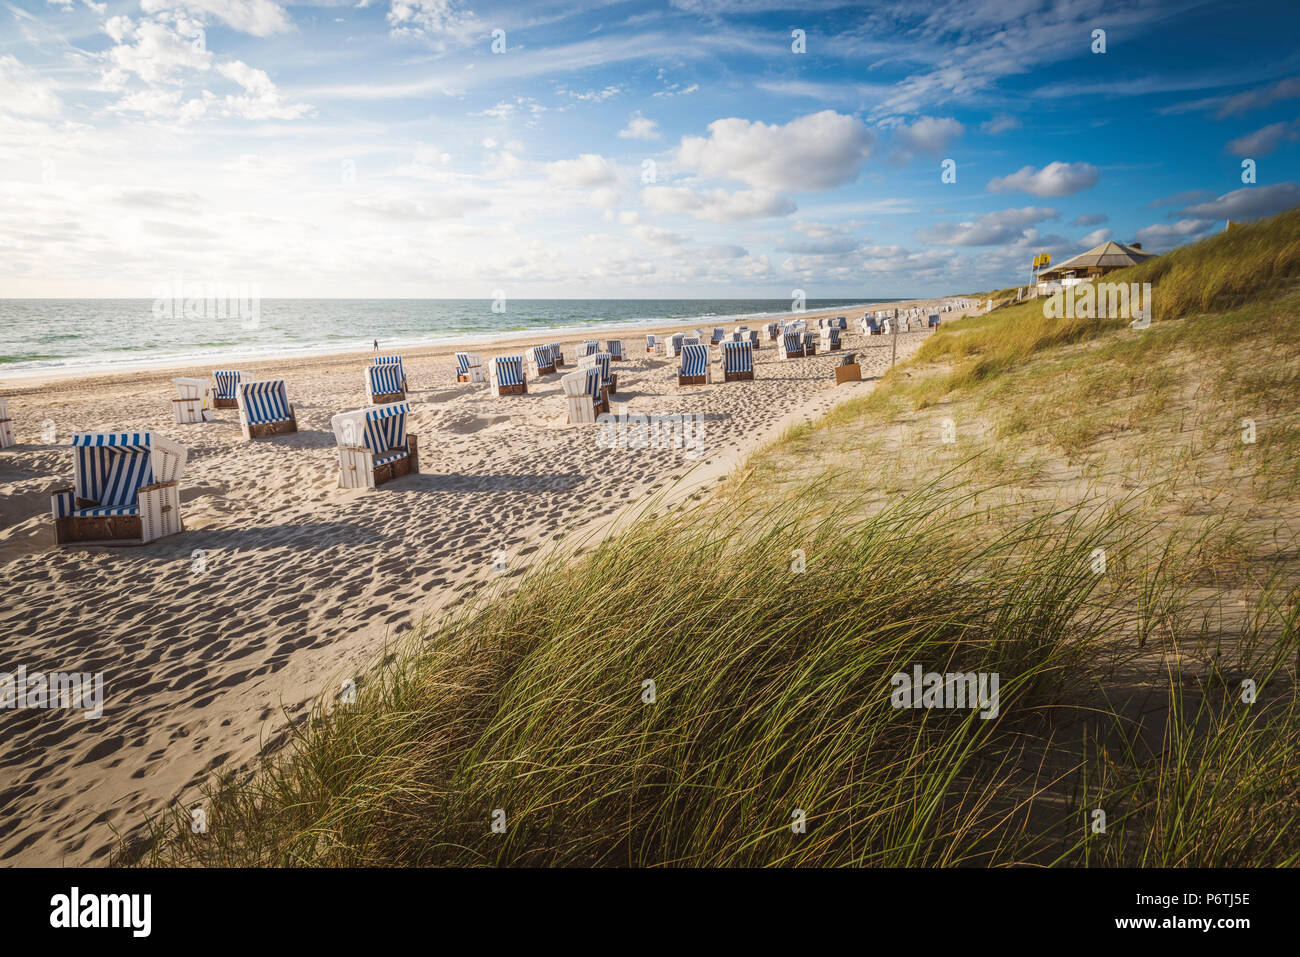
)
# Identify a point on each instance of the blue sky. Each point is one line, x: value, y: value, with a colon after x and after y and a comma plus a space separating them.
x: 629, y: 149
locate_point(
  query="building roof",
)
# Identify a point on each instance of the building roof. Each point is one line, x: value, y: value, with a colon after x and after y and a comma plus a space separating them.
x: 1109, y: 255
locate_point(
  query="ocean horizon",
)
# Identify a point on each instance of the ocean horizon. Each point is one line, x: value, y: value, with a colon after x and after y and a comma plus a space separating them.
x: 52, y: 335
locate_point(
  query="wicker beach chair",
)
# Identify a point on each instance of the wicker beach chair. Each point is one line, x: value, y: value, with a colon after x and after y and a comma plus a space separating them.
x: 695, y: 367
x: 125, y: 488
x: 737, y: 361
x: 374, y: 446
x: 193, y: 403
x: 507, y: 375
x: 469, y: 367
x: 264, y: 409
x: 540, y: 361
x: 226, y: 393
x: 585, y: 395
x: 385, y: 383
x: 615, y: 349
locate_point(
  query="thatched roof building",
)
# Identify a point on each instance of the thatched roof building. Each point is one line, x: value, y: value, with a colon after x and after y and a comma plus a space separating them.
x: 1097, y: 261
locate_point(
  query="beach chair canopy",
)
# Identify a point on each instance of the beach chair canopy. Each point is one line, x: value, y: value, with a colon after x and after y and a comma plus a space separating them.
x: 718, y: 333
x: 227, y: 380
x: 265, y: 402
x: 695, y: 359
x: 737, y: 357
x: 793, y: 342
x: 509, y: 370
x: 556, y: 350
x: 384, y: 379
x: 614, y: 347
x: 833, y: 334
x: 810, y: 339
x: 464, y: 361
x: 381, y: 429
x: 589, y: 347
x: 690, y: 341
x: 650, y: 341
x: 542, y: 356
x: 110, y: 468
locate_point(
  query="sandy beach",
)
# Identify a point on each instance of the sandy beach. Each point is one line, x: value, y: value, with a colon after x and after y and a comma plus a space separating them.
x: 303, y: 581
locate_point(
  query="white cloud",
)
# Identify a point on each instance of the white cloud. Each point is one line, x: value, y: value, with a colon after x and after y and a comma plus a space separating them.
x: 1095, y: 238
x: 1163, y: 236
x: 438, y: 20
x: 1054, y: 179
x: 1089, y: 219
x: 639, y: 128
x: 1000, y: 124
x: 814, y: 152
x: 1249, y: 202
x: 990, y: 229
x: 261, y: 99
x: 588, y: 170
x: 261, y: 18
x: 154, y: 51
x: 717, y: 205
x: 21, y: 92
x: 1265, y: 140
x: 930, y: 135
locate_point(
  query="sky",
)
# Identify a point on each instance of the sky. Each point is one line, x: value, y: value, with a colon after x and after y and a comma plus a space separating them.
x: 693, y: 148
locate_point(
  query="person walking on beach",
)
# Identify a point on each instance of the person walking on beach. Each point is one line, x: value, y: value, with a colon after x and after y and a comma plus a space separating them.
x: 376, y: 345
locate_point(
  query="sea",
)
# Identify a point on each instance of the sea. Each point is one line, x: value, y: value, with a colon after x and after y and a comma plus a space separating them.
x: 43, y: 336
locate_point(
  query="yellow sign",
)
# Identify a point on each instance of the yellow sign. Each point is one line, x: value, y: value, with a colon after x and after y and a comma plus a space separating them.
x: 1046, y: 258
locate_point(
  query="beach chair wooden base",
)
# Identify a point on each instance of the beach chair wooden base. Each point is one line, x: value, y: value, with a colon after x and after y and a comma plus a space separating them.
x: 408, y: 465
x: 225, y: 402
x: 160, y: 515
x: 845, y: 374
x: 521, y: 389
x: 833, y: 347
x: 692, y: 379
x: 545, y: 370
x: 738, y: 376
x: 383, y: 398
x: 268, y: 429
x: 107, y: 529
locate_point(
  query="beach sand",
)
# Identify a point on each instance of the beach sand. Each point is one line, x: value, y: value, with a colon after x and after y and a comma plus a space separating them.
x: 304, y: 581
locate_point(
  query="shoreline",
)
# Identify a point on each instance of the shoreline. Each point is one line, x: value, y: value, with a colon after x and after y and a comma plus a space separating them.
x: 20, y: 381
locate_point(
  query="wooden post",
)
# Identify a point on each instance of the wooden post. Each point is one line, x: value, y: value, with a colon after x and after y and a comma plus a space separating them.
x: 893, y: 338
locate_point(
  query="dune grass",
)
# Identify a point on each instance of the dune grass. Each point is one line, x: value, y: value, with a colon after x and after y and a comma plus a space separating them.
x: 771, y: 619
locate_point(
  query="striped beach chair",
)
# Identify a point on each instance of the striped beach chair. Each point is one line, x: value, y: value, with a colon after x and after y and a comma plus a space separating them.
x: 933, y: 320
x: 588, y: 347
x: 540, y: 361
x: 601, y: 360
x: 585, y: 395
x: 6, y: 426
x: 790, y: 346
x: 615, y: 349
x: 557, y: 354
x: 507, y: 376
x: 392, y: 361
x: 691, y: 340
x: 737, y: 361
x: 830, y: 339
x: 125, y: 487
x: 773, y: 330
x: 718, y: 335
x: 694, y: 368
x: 374, y: 446
x: 469, y: 367
x: 193, y: 403
x: 673, y: 345
x: 651, y: 342
x: 264, y: 409
x: 810, y: 343
x: 226, y: 394
x: 385, y: 384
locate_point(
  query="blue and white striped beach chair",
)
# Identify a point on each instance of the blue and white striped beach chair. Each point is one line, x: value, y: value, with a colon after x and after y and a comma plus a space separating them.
x: 651, y: 344
x: 585, y: 395
x: 810, y: 343
x: 737, y: 361
x: 673, y: 345
x: 507, y: 375
x: 718, y: 335
x: 225, y: 395
x: 469, y: 367
x: 374, y: 445
x: 588, y: 347
x: 695, y: 366
x: 753, y: 338
x: 790, y: 345
x: 773, y: 330
x: 830, y: 339
x: 557, y: 353
x: 691, y: 340
x: 393, y: 361
x: 934, y: 320
x: 125, y: 487
x: 615, y: 349
x: 600, y: 361
x: 264, y: 409
x: 385, y: 383
x: 540, y: 361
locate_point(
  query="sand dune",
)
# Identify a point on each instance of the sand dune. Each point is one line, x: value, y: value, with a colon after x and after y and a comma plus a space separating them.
x: 301, y: 581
